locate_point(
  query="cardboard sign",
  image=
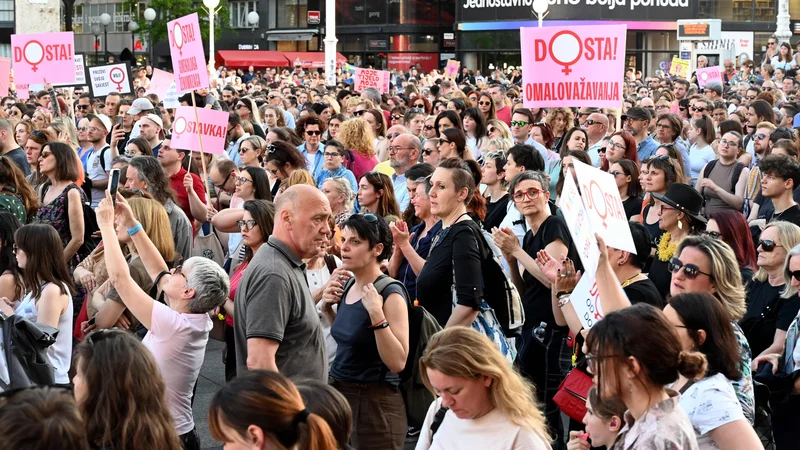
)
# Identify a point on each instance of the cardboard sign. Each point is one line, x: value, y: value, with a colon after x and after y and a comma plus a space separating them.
x: 585, y: 299
x: 44, y: 58
x: 451, y: 69
x: 575, y: 66
x: 367, y: 78
x: 22, y: 92
x: 679, y: 68
x: 212, y: 128
x: 5, y: 76
x: 171, y: 97
x: 604, y: 206
x: 160, y: 82
x: 80, y: 74
x: 708, y: 75
x: 579, y: 225
x: 186, y: 49
x: 111, y: 78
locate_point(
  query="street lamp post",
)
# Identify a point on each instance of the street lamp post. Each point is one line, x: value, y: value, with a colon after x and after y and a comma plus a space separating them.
x: 96, y: 32
x: 783, y: 31
x: 212, y: 10
x: 150, y: 16
x: 540, y: 10
x: 133, y: 26
x: 330, y: 43
x: 105, y: 19
x: 252, y: 19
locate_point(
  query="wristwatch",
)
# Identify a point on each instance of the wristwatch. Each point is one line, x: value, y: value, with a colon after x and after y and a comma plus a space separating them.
x: 563, y: 300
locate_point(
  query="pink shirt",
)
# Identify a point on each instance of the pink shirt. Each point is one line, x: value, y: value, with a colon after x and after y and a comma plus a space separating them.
x: 178, y: 343
x: 362, y: 164
x: 504, y: 114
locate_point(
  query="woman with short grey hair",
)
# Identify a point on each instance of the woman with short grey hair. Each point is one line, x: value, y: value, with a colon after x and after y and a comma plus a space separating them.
x: 178, y: 327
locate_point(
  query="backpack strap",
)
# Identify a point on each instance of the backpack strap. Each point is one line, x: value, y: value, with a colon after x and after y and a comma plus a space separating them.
x: 709, y: 167
x: 102, y: 156
x: 330, y: 262
x: 437, y: 420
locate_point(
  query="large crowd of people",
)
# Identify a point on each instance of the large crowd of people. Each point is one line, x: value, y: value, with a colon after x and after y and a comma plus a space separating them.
x: 362, y: 254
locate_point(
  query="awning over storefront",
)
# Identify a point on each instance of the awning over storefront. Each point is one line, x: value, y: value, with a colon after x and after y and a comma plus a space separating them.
x: 311, y: 60
x: 246, y: 58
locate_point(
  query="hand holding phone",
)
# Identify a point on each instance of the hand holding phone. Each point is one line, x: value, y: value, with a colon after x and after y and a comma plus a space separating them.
x: 113, y: 185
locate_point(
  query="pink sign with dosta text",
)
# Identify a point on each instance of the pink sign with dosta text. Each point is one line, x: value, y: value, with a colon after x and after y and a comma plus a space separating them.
x: 575, y: 66
x: 211, y: 127
x: 366, y: 78
x: 45, y: 57
x: 708, y: 75
x: 186, y: 49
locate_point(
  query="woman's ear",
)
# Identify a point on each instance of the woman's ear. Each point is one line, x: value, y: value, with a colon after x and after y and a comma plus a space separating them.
x: 615, y: 424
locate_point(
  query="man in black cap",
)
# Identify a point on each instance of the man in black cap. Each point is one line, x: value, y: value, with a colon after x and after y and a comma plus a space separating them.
x: 637, y: 120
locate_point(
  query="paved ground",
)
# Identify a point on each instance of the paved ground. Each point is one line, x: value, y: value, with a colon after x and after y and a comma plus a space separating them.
x: 212, y: 377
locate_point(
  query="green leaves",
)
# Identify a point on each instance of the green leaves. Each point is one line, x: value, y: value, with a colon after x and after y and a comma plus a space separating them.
x: 167, y: 10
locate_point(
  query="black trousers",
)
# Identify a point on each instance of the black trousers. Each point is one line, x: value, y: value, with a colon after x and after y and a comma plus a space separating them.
x: 230, y: 357
x: 190, y: 440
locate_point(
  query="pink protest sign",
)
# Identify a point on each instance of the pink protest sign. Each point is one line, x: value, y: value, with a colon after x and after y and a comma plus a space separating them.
x: 45, y: 56
x: 212, y: 128
x: 575, y: 66
x: 708, y: 75
x: 160, y: 82
x: 366, y: 78
x: 186, y: 49
x: 22, y: 92
x: 451, y: 69
x: 5, y: 76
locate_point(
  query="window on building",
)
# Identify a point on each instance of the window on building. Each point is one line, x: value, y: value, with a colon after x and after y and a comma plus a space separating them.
x: 239, y: 11
x: 6, y: 11
x: 292, y: 13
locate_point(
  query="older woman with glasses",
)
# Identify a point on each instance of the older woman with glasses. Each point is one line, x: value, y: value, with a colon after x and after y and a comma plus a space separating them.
x: 251, y: 151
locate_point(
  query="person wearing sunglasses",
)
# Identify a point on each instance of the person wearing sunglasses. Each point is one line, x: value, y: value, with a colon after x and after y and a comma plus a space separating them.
x: 705, y: 265
x: 486, y: 105
x: 179, y: 328
x: 234, y: 138
x: 702, y: 325
x: 731, y: 227
x: 311, y: 128
x: 769, y: 314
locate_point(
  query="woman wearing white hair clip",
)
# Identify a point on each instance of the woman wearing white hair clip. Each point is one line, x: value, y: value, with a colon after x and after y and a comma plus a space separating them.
x: 178, y: 327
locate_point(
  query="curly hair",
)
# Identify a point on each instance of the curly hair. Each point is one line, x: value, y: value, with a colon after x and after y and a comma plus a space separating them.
x: 357, y: 135
x: 781, y: 166
x: 569, y: 118
x: 300, y: 126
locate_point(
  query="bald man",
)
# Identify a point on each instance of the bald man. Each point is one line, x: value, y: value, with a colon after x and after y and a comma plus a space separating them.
x: 596, y: 127
x: 276, y: 323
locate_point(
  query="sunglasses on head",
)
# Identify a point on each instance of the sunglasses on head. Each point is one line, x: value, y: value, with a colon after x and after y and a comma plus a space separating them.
x: 691, y: 271
x: 767, y: 245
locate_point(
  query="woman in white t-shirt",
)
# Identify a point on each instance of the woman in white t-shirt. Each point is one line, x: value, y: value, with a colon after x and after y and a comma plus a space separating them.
x: 701, y: 134
x: 703, y: 325
x: 483, y: 402
x: 49, y: 286
x: 179, y: 328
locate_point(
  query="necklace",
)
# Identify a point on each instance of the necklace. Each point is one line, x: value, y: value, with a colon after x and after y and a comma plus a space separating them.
x: 666, y: 248
x: 629, y: 281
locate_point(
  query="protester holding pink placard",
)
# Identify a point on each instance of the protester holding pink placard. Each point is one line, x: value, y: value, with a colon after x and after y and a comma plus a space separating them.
x: 186, y: 49
x: 366, y: 78
x: 160, y: 82
x: 44, y: 58
x: 212, y: 128
x: 707, y: 75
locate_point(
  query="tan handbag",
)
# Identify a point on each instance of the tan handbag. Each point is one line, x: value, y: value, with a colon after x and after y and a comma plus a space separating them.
x: 208, y: 246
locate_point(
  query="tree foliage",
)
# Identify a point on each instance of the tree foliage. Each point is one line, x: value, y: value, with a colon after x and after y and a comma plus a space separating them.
x: 168, y: 10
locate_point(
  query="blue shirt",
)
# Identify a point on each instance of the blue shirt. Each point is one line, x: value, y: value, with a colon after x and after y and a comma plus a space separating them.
x: 288, y: 118
x: 647, y: 148
x: 314, y: 167
x: 324, y: 174
x: 542, y: 150
x: 401, y: 191
x: 233, y: 150
x: 157, y: 148
x: 422, y: 246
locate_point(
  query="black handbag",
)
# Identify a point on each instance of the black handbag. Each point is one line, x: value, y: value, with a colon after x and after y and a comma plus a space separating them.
x: 26, y: 352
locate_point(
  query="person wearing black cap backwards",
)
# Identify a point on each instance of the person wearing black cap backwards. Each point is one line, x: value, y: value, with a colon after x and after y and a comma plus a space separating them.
x: 637, y: 120
x: 679, y: 216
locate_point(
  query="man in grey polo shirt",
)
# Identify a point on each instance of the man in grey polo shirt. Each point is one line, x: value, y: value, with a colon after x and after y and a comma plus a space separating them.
x: 276, y: 324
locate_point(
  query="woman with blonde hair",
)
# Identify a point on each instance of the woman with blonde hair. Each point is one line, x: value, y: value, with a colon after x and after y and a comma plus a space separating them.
x: 262, y: 410
x: 340, y: 196
x: 155, y: 223
x: 496, y: 128
x: 499, y: 144
x: 41, y: 119
x: 64, y: 129
x: 251, y: 151
x: 483, y: 402
x: 560, y: 120
x: 300, y: 176
x: 357, y: 136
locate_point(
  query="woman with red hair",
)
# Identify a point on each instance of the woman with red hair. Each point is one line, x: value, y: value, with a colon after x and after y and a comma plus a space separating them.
x: 731, y: 227
x: 621, y: 145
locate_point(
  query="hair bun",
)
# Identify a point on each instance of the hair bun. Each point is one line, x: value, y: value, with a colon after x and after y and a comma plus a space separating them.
x: 692, y: 365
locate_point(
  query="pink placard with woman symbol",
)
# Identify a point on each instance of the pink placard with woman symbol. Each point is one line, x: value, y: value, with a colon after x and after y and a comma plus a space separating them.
x: 575, y: 66
x: 211, y: 126
x: 186, y: 50
x: 45, y: 57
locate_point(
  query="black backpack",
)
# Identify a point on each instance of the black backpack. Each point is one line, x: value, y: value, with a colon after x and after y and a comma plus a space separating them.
x: 737, y: 171
x: 90, y: 226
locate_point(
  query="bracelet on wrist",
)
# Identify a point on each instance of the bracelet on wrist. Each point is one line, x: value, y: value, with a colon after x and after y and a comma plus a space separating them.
x: 135, y: 229
x: 383, y: 324
x: 563, y: 300
x: 561, y: 293
x: 377, y: 325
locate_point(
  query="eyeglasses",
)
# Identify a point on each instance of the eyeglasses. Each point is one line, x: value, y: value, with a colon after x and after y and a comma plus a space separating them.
x: 593, y: 122
x: 771, y: 43
x: 14, y: 248
x: 796, y: 275
x: 615, y: 145
x: 83, y: 106
x: 246, y: 225
x: 767, y: 89
x: 419, y: 105
x: 314, y: 132
x: 601, y: 150
x: 272, y: 97
x: 532, y: 194
x: 332, y: 154
x: 392, y: 136
x: 591, y: 361
x: 428, y: 152
x: 515, y: 123
x: 396, y: 116
x: 484, y: 103
x: 359, y: 113
x: 712, y: 234
x: 430, y: 127
x: 750, y: 97
x: 242, y: 180
x: 442, y: 142
x: 727, y: 143
x: 761, y: 136
x: 370, y: 218
x: 243, y: 149
x: 44, y: 154
x: 696, y: 109
x: 397, y: 148
x: 615, y: 173
x: 691, y: 271
x: 768, y: 245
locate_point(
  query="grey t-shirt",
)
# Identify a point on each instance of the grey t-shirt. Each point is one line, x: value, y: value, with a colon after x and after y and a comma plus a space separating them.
x: 273, y: 301
x: 18, y: 156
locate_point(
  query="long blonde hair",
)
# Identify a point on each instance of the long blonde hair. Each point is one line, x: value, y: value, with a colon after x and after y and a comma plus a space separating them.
x: 155, y: 222
x: 357, y: 135
x: 464, y: 353
x: 788, y: 237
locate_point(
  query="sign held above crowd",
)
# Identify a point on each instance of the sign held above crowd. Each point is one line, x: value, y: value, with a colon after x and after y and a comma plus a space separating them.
x: 186, y: 50
x: 707, y: 75
x: 194, y: 127
x: 114, y: 78
x: 43, y: 58
x: 367, y: 78
x: 576, y: 66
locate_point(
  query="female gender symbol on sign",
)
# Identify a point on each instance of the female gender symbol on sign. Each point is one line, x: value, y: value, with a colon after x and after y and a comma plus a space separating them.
x: 704, y: 76
x: 33, y: 54
x: 117, y: 76
x: 565, y: 49
x: 179, y: 126
x: 593, y: 204
x: 177, y: 37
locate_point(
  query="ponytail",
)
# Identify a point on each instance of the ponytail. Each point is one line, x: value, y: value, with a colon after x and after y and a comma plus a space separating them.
x: 318, y: 435
x: 692, y: 365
